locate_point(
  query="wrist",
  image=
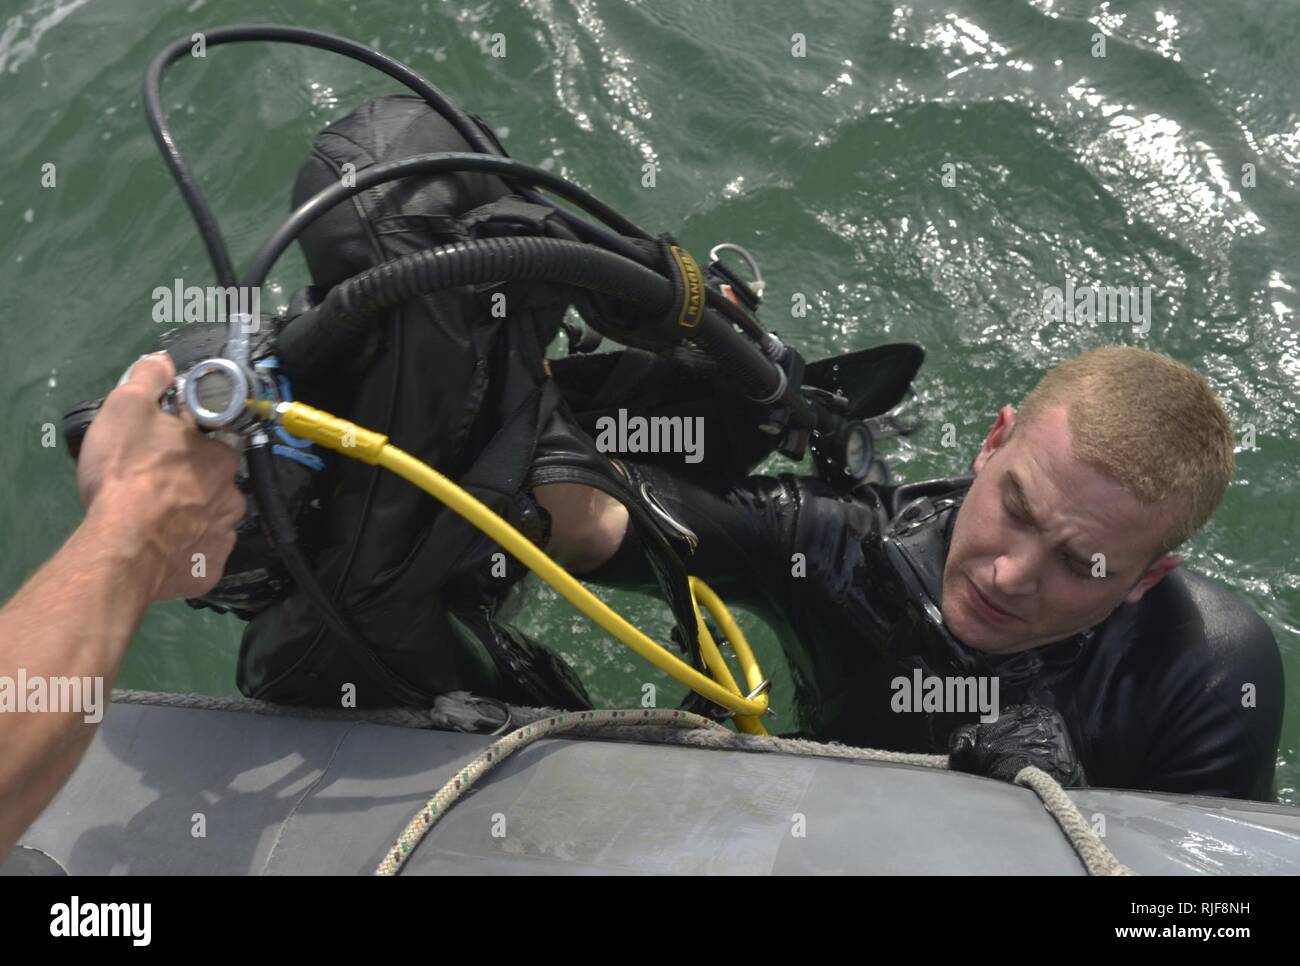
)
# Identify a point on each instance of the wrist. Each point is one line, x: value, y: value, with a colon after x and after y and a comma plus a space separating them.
x: 118, y: 531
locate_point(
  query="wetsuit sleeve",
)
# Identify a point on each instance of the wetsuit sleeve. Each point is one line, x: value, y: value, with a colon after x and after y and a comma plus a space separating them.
x: 743, y: 535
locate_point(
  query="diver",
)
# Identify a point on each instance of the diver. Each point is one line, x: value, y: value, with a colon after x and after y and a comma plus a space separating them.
x: 1053, y: 569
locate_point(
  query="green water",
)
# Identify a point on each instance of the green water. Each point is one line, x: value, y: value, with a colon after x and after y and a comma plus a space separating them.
x: 1125, y: 169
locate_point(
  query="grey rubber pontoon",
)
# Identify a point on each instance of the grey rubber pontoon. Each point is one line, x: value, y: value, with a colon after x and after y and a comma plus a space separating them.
x: 180, y: 790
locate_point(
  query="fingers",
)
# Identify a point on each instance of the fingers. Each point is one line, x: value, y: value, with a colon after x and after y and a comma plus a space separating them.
x: 153, y: 372
x: 141, y: 386
x: 187, y: 417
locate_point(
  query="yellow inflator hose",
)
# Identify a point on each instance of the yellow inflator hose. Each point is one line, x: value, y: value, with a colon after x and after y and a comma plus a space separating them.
x: 373, y: 448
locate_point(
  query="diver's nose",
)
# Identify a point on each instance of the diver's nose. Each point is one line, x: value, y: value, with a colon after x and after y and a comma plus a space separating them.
x: 1015, y: 574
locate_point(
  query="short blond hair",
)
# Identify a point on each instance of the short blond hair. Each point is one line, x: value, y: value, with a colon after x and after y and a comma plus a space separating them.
x: 1148, y: 422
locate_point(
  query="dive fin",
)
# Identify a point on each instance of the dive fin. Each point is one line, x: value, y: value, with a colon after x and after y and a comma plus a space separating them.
x: 874, y: 380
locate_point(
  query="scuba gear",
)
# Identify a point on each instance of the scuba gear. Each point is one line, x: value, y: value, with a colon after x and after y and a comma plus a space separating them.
x: 683, y: 383
x: 426, y: 234
x: 374, y: 449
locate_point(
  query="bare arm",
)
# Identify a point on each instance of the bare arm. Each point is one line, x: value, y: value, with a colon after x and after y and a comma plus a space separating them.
x: 587, y: 525
x: 75, y: 617
x: 157, y: 493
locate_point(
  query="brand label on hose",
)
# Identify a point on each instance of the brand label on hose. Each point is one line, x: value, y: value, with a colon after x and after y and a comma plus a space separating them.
x: 693, y: 303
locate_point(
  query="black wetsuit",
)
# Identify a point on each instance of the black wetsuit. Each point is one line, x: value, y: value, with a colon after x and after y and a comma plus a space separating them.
x: 1181, y: 692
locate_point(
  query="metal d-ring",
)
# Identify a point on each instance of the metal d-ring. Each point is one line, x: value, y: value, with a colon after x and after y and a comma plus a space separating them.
x: 666, y: 518
x: 757, y: 284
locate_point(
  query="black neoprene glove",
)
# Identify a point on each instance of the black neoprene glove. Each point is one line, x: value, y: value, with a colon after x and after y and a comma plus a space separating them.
x: 1023, y: 735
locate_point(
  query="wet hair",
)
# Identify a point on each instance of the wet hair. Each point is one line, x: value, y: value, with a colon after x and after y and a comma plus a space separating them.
x: 1148, y: 422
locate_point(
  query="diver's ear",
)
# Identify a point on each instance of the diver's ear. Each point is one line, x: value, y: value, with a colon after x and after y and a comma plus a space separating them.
x: 1154, y: 574
x: 997, y: 437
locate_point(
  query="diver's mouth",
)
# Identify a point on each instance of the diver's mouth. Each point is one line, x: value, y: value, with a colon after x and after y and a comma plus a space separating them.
x: 985, y: 608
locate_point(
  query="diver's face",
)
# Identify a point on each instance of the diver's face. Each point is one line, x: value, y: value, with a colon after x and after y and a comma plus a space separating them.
x: 1044, y: 545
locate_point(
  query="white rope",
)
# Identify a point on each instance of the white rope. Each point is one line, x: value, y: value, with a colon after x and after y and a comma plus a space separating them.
x: 1097, y: 859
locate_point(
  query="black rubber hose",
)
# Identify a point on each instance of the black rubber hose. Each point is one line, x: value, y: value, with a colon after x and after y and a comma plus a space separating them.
x: 344, y: 318
x: 738, y: 358
x: 338, y: 326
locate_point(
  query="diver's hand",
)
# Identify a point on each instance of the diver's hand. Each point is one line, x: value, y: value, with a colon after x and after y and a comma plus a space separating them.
x: 1023, y: 735
x: 163, y: 491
